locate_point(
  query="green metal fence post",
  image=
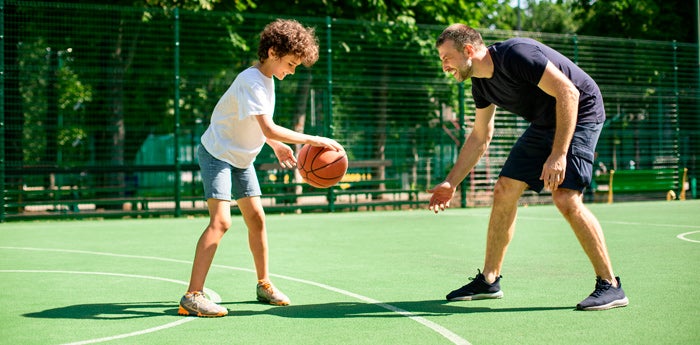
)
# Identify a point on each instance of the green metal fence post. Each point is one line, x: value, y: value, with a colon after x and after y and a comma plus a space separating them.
x: 676, y: 95
x: 575, y: 41
x: 327, y: 128
x: 2, y: 110
x: 462, y: 132
x: 176, y: 109
x: 697, y: 93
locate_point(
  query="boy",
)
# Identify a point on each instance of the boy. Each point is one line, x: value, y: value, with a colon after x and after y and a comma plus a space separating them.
x: 240, y: 124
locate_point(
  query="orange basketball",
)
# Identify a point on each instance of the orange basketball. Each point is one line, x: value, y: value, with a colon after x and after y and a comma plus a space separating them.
x: 321, y: 167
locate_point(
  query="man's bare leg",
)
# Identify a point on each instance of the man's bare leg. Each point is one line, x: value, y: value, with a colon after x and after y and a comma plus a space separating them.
x: 500, y: 232
x: 607, y: 293
x: 506, y: 194
x: 587, y: 230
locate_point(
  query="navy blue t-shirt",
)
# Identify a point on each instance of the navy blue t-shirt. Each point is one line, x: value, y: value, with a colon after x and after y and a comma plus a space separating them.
x: 519, y: 64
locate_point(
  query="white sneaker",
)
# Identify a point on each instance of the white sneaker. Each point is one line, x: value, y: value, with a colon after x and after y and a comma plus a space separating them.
x: 197, y: 304
x: 267, y: 293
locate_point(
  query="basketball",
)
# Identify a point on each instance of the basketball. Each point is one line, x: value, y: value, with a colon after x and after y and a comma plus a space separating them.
x: 321, y: 167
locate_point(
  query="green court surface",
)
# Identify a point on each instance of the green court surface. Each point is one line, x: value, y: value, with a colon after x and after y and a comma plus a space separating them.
x: 354, y: 278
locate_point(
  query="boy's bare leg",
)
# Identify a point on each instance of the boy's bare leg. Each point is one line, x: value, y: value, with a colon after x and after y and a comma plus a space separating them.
x: 254, y: 217
x: 194, y: 301
x: 219, y: 222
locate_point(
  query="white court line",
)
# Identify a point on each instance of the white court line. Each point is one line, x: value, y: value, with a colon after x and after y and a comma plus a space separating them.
x: 211, y: 293
x: 673, y: 226
x: 560, y: 218
x: 666, y: 225
x: 449, y: 335
x: 454, y: 338
x: 682, y: 236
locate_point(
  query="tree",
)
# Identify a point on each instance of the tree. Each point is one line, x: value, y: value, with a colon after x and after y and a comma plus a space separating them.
x: 552, y: 16
x: 664, y: 20
x: 388, y: 28
x: 91, y: 88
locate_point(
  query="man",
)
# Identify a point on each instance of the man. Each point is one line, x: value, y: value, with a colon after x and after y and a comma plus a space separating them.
x: 565, y: 109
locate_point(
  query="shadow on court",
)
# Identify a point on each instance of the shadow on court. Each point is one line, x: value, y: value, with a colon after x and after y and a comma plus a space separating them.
x: 372, y: 310
x: 336, y: 310
x: 108, y: 311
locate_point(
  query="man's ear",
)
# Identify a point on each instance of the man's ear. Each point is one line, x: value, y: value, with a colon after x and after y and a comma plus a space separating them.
x: 469, y: 50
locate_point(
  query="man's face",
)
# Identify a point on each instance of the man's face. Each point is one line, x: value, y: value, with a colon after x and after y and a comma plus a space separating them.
x: 455, y: 61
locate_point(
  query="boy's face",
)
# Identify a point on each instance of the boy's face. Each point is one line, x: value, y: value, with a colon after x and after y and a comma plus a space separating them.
x: 283, y: 66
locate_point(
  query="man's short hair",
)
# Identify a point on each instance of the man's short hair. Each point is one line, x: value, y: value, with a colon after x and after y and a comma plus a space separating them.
x: 461, y: 35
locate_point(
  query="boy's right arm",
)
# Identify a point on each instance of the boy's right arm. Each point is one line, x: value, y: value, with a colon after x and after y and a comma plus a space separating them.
x: 276, y: 132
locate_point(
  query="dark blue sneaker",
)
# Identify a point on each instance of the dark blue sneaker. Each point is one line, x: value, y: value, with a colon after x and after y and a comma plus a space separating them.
x: 605, y: 296
x: 478, y: 288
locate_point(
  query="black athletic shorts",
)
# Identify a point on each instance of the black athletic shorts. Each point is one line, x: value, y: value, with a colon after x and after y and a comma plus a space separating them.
x: 530, y: 152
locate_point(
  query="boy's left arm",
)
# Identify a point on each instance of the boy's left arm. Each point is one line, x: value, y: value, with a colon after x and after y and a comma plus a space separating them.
x: 284, y: 153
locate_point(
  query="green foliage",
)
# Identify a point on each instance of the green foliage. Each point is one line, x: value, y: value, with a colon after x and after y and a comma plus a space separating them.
x: 533, y: 15
x: 382, y: 51
x: 72, y: 140
x: 33, y: 93
x: 650, y: 19
x: 74, y: 93
x: 545, y: 16
x: 382, y: 11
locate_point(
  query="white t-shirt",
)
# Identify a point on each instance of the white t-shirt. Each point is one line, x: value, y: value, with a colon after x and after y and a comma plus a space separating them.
x: 234, y: 135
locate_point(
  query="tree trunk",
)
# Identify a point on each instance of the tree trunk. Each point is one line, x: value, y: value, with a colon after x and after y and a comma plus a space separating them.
x: 119, y: 57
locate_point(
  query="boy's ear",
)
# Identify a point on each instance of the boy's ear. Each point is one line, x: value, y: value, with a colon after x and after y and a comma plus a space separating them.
x: 271, y: 53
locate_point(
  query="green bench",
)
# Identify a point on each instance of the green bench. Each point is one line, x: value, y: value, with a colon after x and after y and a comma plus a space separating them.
x: 665, y: 181
x: 346, y: 195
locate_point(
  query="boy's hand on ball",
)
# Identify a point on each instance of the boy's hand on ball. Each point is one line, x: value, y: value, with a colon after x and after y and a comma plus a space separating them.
x: 328, y: 143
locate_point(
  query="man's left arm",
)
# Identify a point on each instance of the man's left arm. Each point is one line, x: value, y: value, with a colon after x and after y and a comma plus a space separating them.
x: 559, y: 86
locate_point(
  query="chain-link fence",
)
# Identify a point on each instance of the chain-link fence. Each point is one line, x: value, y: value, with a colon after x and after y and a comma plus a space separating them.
x: 103, y: 109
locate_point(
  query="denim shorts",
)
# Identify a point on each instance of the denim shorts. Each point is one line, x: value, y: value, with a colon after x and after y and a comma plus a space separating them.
x: 221, y: 179
x: 530, y: 152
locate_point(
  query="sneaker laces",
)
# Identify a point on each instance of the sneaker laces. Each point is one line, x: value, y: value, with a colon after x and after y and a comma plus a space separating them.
x: 483, y: 278
x: 478, y: 273
x: 266, y: 285
x: 200, y: 298
x: 600, y: 287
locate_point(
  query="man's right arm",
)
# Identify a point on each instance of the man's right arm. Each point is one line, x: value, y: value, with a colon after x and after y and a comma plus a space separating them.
x: 470, y: 153
x: 476, y: 145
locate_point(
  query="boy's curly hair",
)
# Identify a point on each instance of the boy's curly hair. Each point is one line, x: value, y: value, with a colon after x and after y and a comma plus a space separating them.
x: 287, y: 36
